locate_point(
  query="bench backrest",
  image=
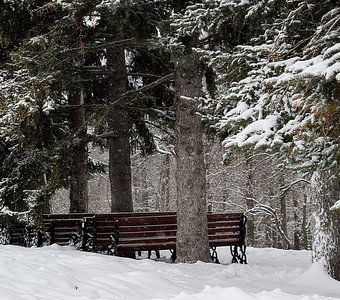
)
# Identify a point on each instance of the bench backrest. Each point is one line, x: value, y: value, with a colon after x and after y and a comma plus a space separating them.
x: 140, y: 231
x: 18, y: 233
x: 159, y: 231
x: 108, y: 224
x: 59, y: 228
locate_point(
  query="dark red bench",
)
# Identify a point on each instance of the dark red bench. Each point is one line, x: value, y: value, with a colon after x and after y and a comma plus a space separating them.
x: 65, y: 229
x: 18, y: 233
x: 122, y: 233
x: 158, y: 232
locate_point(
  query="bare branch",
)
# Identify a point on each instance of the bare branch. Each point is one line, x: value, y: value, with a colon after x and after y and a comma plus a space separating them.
x: 288, y: 186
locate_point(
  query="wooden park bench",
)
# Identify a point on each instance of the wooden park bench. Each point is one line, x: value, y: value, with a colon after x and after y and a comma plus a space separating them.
x: 65, y: 229
x: 18, y: 233
x: 122, y: 233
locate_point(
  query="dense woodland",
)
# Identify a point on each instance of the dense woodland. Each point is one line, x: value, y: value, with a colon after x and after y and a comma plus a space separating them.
x: 176, y: 105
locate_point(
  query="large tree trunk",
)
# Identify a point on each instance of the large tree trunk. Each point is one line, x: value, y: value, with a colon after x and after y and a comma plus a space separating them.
x: 118, y: 141
x: 79, y: 169
x: 192, y: 230
x: 326, y: 244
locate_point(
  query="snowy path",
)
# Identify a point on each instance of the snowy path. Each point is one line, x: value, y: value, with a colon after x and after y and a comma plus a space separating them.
x: 62, y: 273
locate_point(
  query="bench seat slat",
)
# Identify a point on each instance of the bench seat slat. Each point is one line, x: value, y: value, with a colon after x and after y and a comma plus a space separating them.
x: 160, y: 238
x: 146, y: 247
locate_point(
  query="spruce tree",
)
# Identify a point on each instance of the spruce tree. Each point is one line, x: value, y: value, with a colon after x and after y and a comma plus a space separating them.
x: 37, y: 88
x: 126, y: 26
x: 277, y: 88
x: 192, y: 230
x: 31, y: 142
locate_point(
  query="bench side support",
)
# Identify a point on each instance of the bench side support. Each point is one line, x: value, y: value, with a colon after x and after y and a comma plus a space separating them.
x: 114, y: 240
x: 238, y: 252
x: 85, y: 239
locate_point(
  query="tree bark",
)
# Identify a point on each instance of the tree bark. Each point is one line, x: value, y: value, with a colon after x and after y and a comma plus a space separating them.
x: 296, y: 224
x: 79, y: 169
x: 283, y: 216
x: 192, y: 229
x: 164, y: 201
x: 118, y: 141
x: 304, y: 226
x: 249, y: 202
x: 326, y: 244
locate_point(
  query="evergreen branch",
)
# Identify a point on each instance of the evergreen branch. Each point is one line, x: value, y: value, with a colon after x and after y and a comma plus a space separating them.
x: 77, y: 106
x: 102, y: 46
x: 160, y: 128
x: 107, y: 134
x: 127, y: 94
x: 144, y: 74
x: 150, y: 85
x: 95, y: 70
x: 142, y: 89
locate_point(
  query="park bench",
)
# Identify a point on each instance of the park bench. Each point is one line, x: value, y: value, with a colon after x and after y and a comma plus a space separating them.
x: 122, y: 233
x: 18, y: 233
x: 86, y: 231
x: 158, y: 232
x: 65, y: 229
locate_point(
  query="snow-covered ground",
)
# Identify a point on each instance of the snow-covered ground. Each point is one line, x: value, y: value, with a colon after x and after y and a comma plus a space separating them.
x: 62, y: 273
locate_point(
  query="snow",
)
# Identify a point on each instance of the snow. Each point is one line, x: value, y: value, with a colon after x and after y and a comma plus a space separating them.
x: 336, y: 206
x: 56, y: 272
x: 326, y: 65
x: 258, y: 133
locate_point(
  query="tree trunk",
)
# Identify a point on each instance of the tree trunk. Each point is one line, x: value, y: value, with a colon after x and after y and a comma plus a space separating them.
x: 79, y: 169
x: 283, y: 217
x: 118, y: 141
x: 249, y: 202
x: 296, y: 223
x: 164, y: 201
x: 326, y: 244
x: 304, y: 226
x: 192, y: 229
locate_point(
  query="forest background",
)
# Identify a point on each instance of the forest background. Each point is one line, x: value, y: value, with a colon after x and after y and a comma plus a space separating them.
x: 138, y: 77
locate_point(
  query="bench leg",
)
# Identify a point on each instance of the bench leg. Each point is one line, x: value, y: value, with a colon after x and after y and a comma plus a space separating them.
x: 238, y: 253
x: 173, y: 255
x: 214, y: 256
x: 158, y: 255
x: 243, y: 256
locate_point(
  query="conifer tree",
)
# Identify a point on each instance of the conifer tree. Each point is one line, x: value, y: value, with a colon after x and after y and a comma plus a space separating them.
x: 192, y: 230
x: 126, y: 27
x: 277, y: 75
x: 30, y: 140
x: 37, y: 87
x: 64, y: 58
